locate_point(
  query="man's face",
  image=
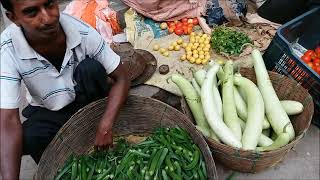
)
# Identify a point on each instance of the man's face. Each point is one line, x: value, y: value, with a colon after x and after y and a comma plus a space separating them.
x: 36, y: 17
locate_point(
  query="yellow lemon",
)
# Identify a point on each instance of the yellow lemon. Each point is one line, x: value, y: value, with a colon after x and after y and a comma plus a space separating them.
x: 180, y: 41
x: 204, y: 62
x: 174, y: 44
x: 166, y: 54
x: 201, y: 52
x: 195, y: 52
x: 189, y: 57
x: 188, y: 48
x: 183, y: 57
x: 156, y: 47
x: 201, y: 56
x: 195, y: 56
x: 162, y: 50
x: 177, y: 48
x: 170, y: 48
x: 206, y: 49
x: 184, y: 45
x: 192, y: 60
x: 198, y: 61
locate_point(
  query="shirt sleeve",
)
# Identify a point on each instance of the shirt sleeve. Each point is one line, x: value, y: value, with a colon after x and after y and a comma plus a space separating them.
x: 99, y: 50
x: 10, y: 82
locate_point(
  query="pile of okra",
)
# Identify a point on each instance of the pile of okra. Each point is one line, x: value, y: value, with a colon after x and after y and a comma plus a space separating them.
x: 168, y: 153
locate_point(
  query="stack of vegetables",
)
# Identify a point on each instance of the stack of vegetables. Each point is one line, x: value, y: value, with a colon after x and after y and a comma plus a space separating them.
x: 168, y: 153
x: 242, y: 114
x: 197, y: 49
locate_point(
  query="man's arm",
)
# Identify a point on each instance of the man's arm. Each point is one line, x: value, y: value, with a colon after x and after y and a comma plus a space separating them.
x: 117, y: 96
x: 10, y: 144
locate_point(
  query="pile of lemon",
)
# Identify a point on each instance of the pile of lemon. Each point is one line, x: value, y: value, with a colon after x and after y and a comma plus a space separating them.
x: 198, y: 48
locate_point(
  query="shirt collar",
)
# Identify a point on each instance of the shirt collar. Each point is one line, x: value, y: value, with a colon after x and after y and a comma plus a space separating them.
x: 25, y: 51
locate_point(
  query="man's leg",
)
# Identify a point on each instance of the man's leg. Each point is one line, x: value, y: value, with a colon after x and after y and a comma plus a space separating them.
x: 42, y: 124
x: 92, y: 81
x: 40, y: 128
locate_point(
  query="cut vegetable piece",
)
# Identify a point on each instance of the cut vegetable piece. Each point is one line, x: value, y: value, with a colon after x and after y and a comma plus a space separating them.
x: 230, y: 116
x: 254, y: 123
x: 210, y: 110
x: 276, y: 115
x: 292, y: 107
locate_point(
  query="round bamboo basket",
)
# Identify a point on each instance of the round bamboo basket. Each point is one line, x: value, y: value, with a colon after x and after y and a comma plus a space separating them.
x: 251, y: 161
x: 139, y: 115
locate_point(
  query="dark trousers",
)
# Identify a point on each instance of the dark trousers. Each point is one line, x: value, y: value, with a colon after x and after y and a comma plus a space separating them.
x: 42, y: 124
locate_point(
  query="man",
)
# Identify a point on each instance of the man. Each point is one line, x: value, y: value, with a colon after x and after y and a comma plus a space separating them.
x: 64, y: 64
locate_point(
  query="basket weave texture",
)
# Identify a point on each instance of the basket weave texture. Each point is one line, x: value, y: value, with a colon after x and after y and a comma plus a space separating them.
x: 250, y: 161
x: 139, y: 116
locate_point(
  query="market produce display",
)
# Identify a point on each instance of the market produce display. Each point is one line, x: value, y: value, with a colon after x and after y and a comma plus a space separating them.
x: 312, y: 59
x: 168, y: 153
x: 224, y: 40
x: 237, y: 112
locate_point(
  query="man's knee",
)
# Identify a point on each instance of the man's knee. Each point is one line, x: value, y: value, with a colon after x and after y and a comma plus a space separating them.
x: 90, y: 67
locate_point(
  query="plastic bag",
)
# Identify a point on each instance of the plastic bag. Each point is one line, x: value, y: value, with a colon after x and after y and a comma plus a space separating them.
x: 98, y: 15
x: 220, y: 11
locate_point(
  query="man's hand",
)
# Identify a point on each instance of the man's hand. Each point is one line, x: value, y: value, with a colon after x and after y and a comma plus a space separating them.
x: 104, y: 137
x: 117, y: 96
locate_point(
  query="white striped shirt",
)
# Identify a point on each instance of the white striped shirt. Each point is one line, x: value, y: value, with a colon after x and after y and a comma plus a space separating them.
x: 48, y: 87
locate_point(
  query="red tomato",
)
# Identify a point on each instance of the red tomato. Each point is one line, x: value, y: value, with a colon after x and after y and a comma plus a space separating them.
x: 309, y: 52
x: 170, y: 24
x: 178, y: 31
x: 184, y: 20
x: 179, y: 25
x: 171, y: 30
x: 317, y: 50
x: 310, y: 64
x: 195, y: 21
x: 184, y: 23
x: 306, y: 58
x: 316, y: 61
x: 189, y: 30
x: 185, y: 29
x: 318, y: 69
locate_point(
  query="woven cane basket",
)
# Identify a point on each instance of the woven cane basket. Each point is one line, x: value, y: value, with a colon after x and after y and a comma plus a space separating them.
x: 140, y: 115
x: 250, y: 161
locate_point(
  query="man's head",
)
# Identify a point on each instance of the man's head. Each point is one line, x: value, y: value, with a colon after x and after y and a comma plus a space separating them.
x: 35, y: 17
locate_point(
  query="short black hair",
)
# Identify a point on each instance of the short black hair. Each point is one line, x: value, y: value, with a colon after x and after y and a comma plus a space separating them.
x: 7, y: 4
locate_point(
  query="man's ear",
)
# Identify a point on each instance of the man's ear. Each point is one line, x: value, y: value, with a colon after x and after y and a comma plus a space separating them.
x: 12, y: 17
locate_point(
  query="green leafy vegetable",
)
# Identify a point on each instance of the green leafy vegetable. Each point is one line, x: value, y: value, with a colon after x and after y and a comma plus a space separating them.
x: 226, y: 40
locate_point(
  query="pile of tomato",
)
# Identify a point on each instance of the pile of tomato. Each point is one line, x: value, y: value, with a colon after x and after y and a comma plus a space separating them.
x: 182, y: 27
x: 312, y: 59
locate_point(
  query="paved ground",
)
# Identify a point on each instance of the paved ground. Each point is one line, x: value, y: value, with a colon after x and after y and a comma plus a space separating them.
x: 301, y: 163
